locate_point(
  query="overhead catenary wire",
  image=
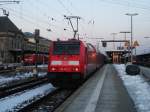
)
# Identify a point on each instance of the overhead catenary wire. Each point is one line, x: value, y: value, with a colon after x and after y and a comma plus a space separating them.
x: 45, y: 20
x: 50, y: 19
x: 126, y: 4
x: 76, y: 10
x: 24, y: 15
x: 67, y: 10
x: 29, y: 18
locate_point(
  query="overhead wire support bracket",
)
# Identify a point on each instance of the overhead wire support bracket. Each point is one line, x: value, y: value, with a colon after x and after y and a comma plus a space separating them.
x: 6, y: 13
x: 73, y: 28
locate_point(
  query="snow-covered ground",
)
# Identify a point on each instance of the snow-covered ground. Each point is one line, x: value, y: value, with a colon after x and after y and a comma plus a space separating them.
x: 5, y: 81
x: 19, y: 100
x: 40, y: 66
x: 137, y: 87
x: 145, y: 71
x: 44, y: 65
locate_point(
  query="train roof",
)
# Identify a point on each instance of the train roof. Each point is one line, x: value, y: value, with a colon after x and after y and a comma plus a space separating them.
x: 71, y: 40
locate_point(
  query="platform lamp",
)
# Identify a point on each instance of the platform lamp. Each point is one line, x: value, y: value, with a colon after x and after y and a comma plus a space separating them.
x: 131, y: 15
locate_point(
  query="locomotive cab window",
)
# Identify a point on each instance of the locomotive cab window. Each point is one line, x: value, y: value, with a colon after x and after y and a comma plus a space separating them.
x: 66, y: 48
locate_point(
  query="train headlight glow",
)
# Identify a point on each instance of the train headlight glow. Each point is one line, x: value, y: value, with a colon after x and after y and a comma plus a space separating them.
x: 76, y: 69
x: 56, y: 62
x: 73, y: 62
x: 53, y: 69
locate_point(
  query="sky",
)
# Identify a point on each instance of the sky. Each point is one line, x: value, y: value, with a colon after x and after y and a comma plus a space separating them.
x: 99, y: 18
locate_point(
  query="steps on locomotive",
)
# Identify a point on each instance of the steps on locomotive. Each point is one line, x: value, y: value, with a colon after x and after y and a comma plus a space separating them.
x: 103, y: 92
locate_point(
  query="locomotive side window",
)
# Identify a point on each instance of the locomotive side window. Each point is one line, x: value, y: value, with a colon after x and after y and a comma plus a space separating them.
x: 66, y: 48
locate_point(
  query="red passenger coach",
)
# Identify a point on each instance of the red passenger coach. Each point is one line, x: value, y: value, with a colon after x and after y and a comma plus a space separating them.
x: 31, y: 59
x: 71, y: 62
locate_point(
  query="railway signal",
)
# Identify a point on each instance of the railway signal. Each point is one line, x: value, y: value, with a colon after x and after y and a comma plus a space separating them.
x: 104, y: 44
x: 36, y: 36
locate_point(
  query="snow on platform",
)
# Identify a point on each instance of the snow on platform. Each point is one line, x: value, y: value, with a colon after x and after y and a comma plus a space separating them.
x: 20, y: 100
x: 137, y: 87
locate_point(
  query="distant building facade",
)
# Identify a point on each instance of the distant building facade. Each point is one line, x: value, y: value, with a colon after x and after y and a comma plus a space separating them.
x: 14, y: 44
x: 11, y: 40
x: 43, y: 45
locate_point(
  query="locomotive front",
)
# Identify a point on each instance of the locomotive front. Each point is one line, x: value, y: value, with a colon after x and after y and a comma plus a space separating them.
x: 65, y: 63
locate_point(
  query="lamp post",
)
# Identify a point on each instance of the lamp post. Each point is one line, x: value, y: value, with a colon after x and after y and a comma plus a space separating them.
x: 131, y: 15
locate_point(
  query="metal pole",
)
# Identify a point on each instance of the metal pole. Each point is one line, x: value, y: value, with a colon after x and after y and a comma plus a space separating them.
x: 131, y: 41
x: 131, y: 45
x: 135, y: 51
x: 77, y: 23
x: 36, y: 53
x: 37, y: 34
x: 125, y: 49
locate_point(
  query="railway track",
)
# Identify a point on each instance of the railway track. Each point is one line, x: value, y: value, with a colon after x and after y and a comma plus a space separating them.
x: 4, y: 68
x: 50, y: 102
x: 47, y: 102
x: 6, y: 71
x: 6, y: 91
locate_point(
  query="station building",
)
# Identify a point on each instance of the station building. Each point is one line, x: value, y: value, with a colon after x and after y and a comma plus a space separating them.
x: 14, y: 43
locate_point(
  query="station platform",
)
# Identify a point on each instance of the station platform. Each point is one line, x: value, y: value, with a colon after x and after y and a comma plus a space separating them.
x: 103, y: 92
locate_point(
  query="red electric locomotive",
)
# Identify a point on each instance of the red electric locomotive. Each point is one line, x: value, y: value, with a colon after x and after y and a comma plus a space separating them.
x: 70, y: 62
x: 30, y: 59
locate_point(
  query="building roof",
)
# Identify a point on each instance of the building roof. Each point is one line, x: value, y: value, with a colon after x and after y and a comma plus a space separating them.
x: 30, y: 35
x: 6, y: 25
